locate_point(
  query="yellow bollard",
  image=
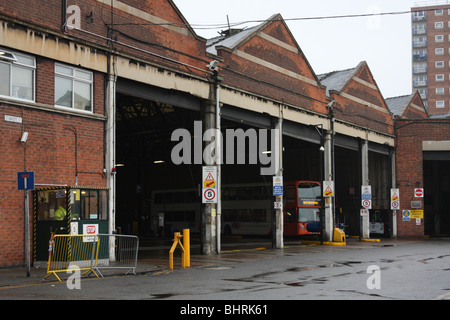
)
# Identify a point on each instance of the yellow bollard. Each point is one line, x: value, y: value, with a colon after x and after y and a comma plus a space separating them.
x: 176, y: 241
x: 187, y: 247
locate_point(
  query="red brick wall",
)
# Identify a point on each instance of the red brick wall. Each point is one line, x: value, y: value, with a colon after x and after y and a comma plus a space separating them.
x: 49, y: 152
x: 409, y: 158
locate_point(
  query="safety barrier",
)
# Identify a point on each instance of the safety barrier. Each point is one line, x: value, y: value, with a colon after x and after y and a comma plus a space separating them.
x: 185, y: 249
x: 72, y: 252
x: 117, y: 251
x: 91, y: 253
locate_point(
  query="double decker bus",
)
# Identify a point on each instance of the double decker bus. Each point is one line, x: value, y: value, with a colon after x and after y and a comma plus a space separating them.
x: 302, y: 207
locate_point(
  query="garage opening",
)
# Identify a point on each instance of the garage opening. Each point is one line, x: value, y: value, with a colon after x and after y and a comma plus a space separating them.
x: 436, y: 171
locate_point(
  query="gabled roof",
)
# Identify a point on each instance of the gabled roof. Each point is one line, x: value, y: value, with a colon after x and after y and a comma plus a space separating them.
x: 399, y: 105
x: 336, y: 80
x: 234, y: 39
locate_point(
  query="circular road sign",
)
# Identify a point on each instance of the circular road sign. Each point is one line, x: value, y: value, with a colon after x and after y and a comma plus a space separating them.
x: 209, y: 194
x: 366, y: 203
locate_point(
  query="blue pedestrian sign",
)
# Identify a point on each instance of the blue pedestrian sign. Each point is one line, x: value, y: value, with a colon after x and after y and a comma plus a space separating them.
x: 278, y: 186
x: 25, y: 180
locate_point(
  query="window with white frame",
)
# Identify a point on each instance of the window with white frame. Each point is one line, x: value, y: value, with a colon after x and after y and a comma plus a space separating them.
x: 17, y: 78
x: 440, y: 104
x: 73, y: 88
x: 440, y: 91
x: 439, y: 38
x: 439, y: 77
x: 439, y: 64
x: 439, y: 25
x: 439, y: 12
x: 439, y: 51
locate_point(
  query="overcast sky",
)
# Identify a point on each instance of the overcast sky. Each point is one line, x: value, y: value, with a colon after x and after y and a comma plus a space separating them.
x: 329, y: 44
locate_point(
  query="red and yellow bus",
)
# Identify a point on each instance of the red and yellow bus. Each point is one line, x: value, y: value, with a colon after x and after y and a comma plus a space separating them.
x: 302, y: 207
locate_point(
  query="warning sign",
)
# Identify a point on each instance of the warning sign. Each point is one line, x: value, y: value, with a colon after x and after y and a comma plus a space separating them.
x: 328, y: 188
x: 395, y: 199
x: 209, y: 194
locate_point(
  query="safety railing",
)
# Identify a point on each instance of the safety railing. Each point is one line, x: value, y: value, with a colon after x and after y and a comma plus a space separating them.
x: 92, y: 253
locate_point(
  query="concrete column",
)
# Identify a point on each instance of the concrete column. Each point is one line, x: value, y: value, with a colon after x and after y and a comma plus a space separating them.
x: 209, y: 212
x: 393, y: 184
x: 328, y: 176
x: 278, y: 241
x: 110, y: 154
x: 365, y: 231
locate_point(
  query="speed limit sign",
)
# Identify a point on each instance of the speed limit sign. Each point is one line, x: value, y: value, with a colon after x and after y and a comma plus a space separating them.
x: 367, y: 204
x: 209, y: 196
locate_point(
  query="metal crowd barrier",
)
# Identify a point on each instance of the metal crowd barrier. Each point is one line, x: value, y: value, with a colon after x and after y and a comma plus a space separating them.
x: 72, y: 252
x: 92, y: 253
x: 117, y: 251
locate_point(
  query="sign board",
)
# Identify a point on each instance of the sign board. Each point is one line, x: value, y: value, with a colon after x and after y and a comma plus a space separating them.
x: 395, y: 199
x: 406, y: 215
x: 328, y: 188
x: 209, y: 184
x: 278, y: 205
x: 367, y: 204
x: 418, y: 192
x: 90, y: 229
x: 366, y: 192
x: 416, y: 214
x: 25, y: 180
x: 277, y: 185
x: 74, y: 228
x: 364, y: 212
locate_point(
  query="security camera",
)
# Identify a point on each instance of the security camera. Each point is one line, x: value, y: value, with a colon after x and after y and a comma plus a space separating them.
x: 24, y: 137
x: 213, y: 65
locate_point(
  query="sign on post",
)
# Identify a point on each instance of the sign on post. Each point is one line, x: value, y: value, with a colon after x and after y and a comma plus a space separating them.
x: 395, y: 199
x: 328, y: 189
x: 366, y: 197
x: 278, y: 185
x: 25, y: 180
x: 209, y: 193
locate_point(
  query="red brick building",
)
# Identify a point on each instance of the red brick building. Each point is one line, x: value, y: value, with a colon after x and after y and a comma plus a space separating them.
x: 99, y: 103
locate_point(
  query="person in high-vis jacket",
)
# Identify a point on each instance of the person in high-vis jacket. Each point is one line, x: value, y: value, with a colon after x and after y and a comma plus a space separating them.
x: 60, y: 213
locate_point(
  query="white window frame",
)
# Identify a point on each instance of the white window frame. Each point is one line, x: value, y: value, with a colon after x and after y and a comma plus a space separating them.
x: 439, y: 25
x: 440, y: 91
x: 440, y: 104
x: 439, y: 51
x: 74, y: 78
x: 20, y: 64
x: 439, y: 78
x: 439, y: 38
x: 439, y: 64
x: 439, y: 12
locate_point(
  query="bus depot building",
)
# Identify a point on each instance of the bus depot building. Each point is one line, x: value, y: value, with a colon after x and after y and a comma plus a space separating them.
x: 98, y: 97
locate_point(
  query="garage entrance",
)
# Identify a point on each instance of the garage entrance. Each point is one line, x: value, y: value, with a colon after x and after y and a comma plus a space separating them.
x: 436, y: 170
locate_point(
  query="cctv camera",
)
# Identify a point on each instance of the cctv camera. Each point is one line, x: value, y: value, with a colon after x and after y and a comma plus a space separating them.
x: 213, y: 65
x: 24, y: 137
